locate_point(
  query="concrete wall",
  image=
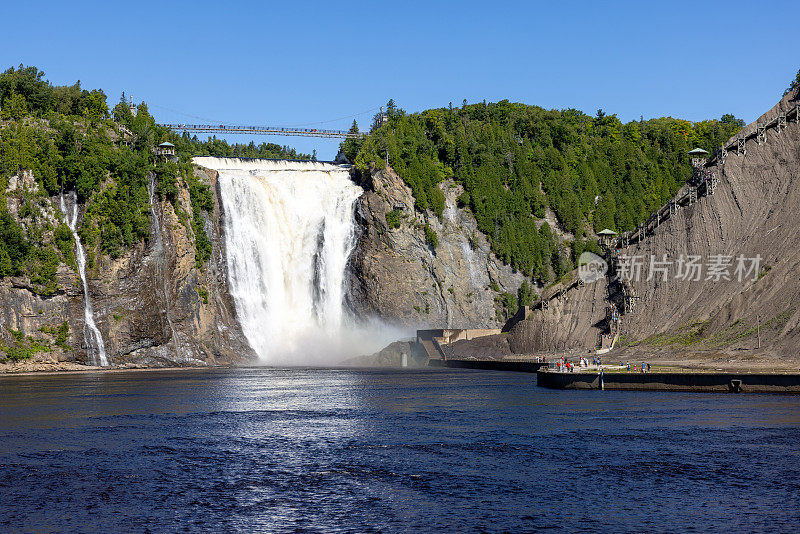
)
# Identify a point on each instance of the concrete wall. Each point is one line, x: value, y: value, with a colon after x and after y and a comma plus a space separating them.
x: 720, y: 382
x: 451, y: 335
x: 482, y: 332
x: 493, y: 365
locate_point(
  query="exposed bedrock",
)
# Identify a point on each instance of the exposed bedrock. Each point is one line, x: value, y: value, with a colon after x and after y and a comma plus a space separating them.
x: 397, y: 276
x: 153, y: 305
x: 753, y: 213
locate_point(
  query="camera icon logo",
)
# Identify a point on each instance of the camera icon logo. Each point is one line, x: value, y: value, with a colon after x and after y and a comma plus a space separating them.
x: 591, y: 267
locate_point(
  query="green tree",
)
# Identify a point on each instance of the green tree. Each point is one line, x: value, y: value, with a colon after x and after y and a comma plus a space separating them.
x: 14, y: 107
x: 510, y: 304
x: 6, y: 267
x: 515, y: 162
x: 96, y: 106
x: 391, y: 109
x: 352, y: 145
x: 430, y: 237
x: 393, y: 219
x: 729, y: 119
x: 29, y: 83
x: 793, y: 85
x: 525, y: 294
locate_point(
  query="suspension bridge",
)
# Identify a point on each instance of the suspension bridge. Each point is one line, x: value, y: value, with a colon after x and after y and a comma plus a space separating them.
x: 262, y: 130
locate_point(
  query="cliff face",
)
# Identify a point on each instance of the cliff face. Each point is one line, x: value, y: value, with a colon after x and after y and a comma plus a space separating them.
x: 574, y: 322
x: 159, y: 307
x: 153, y: 305
x: 397, y: 276
x: 753, y: 213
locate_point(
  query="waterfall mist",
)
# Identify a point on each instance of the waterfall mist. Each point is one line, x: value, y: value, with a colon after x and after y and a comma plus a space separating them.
x: 289, y: 232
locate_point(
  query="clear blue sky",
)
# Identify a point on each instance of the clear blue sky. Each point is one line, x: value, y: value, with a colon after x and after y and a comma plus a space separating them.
x: 299, y: 63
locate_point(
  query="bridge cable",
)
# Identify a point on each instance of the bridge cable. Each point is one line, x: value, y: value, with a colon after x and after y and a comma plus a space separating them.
x: 285, y: 126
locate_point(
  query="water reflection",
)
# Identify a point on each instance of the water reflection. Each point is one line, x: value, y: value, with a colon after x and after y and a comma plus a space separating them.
x: 345, y: 449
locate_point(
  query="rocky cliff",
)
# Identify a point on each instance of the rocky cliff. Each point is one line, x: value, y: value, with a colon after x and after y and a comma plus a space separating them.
x: 153, y: 305
x: 718, y: 318
x: 400, y: 277
x: 753, y: 213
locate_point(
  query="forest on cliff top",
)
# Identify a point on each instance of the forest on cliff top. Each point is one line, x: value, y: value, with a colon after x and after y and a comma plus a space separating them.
x: 516, y: 162
x: 70, y: 140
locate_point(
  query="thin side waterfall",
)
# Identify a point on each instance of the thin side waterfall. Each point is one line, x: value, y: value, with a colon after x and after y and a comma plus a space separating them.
x: 159, y: 259
x: 151, y: 191
x: 96, y: 349
x: 289, y: 232
x: 469, y: 254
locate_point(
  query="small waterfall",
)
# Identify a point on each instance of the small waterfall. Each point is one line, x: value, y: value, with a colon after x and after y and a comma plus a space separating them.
x: 158, y: 258
x: 151, y: 191
x: 91, y: 334
x: 469, y: 255
x: 289, y: 232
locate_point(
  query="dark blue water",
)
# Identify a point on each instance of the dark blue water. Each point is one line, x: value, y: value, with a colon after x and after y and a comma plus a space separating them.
x: 367, y: 450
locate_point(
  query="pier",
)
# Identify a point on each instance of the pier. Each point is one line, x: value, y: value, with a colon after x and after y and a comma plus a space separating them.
x: 720, y: 382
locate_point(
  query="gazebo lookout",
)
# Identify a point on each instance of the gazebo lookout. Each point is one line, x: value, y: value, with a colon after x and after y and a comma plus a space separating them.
x: 699, y: 157
x: 166, y: 151
x: 607, y: 237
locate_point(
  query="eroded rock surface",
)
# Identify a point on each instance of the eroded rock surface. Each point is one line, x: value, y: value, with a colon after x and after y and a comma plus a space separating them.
x: 153, y: 305
x: 397, y: 276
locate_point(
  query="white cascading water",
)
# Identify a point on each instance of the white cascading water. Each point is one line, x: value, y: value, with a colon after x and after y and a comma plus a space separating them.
x: 96, y: 349
x: 289, y: 232
x: 158, y: 259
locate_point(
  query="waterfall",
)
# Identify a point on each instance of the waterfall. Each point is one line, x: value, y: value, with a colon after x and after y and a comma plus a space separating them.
x: 469, y: 255
x: 96, y: 349
x: 289, y: 232
x: 158, y: 247
x: 158, y: 257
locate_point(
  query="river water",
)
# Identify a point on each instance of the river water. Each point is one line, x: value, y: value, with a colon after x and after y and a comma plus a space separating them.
x: 373, y: 450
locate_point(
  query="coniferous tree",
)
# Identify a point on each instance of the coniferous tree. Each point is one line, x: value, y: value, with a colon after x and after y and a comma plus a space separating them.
x: 516, y: 162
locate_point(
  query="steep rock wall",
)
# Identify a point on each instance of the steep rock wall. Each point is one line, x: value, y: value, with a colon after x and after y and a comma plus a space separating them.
x: 572, y: 323
x: 153, y: 305
x: 396, y: 276
x: 157, y: 307
x: 753, y: 213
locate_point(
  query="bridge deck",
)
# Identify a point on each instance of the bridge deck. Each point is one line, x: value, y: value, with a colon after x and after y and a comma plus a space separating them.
x: 262, y: 130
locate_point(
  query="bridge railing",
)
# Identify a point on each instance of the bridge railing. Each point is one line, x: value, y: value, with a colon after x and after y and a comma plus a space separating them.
x: 269, y: 130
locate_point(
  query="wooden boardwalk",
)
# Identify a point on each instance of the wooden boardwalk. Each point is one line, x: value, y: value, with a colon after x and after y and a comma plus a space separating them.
x: 705, y: 180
